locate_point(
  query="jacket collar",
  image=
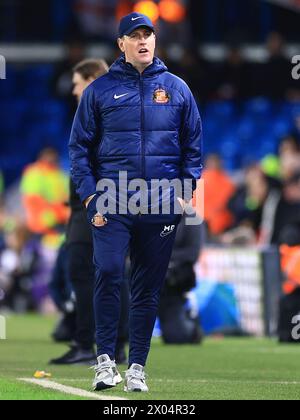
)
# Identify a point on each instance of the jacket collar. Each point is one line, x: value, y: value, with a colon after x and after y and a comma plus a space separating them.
x: 124, y: 70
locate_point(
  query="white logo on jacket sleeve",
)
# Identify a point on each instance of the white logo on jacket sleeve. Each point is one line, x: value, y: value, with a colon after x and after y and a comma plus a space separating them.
x: 167, y: 230
x: 120, y: 96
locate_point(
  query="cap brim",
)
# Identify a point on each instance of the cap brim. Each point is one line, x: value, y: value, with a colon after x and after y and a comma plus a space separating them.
x: 141, y: 25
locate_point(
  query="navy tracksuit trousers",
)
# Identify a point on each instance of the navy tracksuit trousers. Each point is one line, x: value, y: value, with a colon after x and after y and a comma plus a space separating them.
x: 149, y: 240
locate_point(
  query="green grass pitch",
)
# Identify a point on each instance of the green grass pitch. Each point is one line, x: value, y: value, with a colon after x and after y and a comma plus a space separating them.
x: 255, y: 369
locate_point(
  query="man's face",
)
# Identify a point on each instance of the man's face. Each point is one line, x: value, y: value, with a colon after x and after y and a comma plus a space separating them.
x: 79, y: 84
x: 138, y: 47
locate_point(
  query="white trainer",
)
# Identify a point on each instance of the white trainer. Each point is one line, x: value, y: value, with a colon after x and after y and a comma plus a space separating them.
x: 135, y: 379
x: 107, y: 375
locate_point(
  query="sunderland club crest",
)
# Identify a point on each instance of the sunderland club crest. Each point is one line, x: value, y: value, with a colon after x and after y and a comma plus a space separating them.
x: 161, y: 96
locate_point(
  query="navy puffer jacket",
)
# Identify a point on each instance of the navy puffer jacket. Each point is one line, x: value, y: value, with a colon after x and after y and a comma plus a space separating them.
x: 147, y: 125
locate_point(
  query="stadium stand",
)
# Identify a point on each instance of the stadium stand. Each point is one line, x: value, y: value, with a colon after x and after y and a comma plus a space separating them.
x: 239, y: 132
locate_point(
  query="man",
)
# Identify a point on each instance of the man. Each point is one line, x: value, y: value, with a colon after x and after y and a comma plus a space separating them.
x: 84, y: 73
x: 143, y: 121
x: 80, y: 252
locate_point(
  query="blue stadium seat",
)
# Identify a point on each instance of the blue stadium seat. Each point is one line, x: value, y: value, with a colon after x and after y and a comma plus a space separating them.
x: 267, y: 146
x: 230, y: 151
x: 289, y: 110
x: 13, y: 113
x: 258, y: 107
x: 246, y: 128
x: 220, y: 111
x: 281, y: 127
x: 36, y: 81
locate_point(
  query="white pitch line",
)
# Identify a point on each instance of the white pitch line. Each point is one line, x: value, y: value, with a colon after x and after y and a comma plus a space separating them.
x: 69, y: 390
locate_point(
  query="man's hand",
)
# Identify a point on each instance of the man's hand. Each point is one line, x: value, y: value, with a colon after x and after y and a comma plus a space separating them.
x: 88, y: 200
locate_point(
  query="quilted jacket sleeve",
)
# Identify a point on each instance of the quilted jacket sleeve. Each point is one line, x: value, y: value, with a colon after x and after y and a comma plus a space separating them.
x: 191, y: 140
x: 84, y: 135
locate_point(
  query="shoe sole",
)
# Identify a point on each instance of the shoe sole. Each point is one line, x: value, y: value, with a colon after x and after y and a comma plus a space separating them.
x: 133, y: 390
x: 102, y: 385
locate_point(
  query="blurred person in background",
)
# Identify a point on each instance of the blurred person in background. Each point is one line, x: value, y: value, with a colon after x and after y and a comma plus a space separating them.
x: 18, y: 267
x: 288, y: 208
x: 217, y: 215
x: 283, y: 165
x: 250, y: 206
x: 264, y: 206
x: 80, y: 267
x: 44, y: 190
x: 61, y: 83
x: 178, y: 324
x: 84, y: 73
x: 289, y: 241
x: 289, y: 156
x: 233, y: 76
x: 61, y: 293
x: 277, y: 70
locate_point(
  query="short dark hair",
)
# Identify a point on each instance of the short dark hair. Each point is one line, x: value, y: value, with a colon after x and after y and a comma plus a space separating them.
x: 91, y: 68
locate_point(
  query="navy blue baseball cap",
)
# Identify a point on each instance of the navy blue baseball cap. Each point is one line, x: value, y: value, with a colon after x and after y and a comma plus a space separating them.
x: 133, y: 21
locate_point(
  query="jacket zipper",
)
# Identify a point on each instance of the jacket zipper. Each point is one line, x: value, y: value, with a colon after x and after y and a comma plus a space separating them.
x: 142, y: 127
